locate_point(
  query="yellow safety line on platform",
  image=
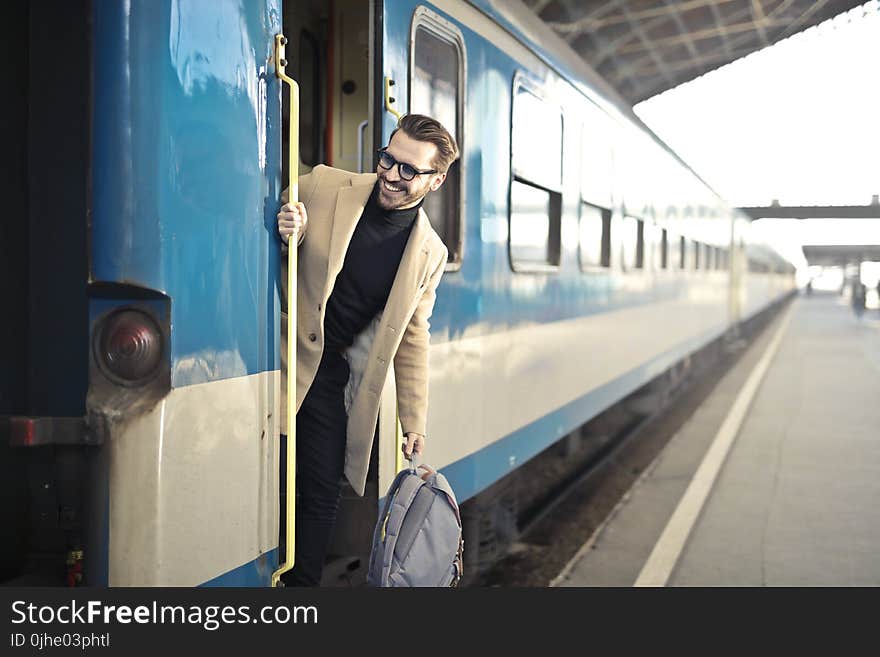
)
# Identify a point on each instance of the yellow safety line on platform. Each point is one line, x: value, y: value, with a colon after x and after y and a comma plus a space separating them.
x: 666, y: 553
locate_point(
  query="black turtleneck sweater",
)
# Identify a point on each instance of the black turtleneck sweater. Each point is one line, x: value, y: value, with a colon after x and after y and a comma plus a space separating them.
x: 364, y: 283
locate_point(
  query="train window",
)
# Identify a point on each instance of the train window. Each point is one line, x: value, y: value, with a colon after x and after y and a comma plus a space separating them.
x: 597, y: 161
x: 537, y: 153
x: 437, y: 89
x: 653, y: 245
x: 594, y: 240
x: 710, y: 257
x: 535, y: 187
x: 673, y: 257
x: 682, y: 250
x: 534, y: 234
x: 633, y: 245
x: 697, y: 248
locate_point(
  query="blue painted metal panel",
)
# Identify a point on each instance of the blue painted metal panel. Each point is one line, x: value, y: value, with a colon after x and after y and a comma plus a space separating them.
x: 186, y: 173
x: 254, y: 573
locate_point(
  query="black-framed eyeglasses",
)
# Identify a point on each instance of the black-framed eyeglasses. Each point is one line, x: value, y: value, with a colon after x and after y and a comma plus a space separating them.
x: 407, y: 171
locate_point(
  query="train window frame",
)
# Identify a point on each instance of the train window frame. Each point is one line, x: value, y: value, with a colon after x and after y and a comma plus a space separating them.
x: 640, y: 243
x: 444, y: 30
x: 604, y: 260
x: 650, y: 242
x: 522, y: 84
x: 633, y: 259
x: 673, y: 243
x: 664, y: 248
x: 553, y: 189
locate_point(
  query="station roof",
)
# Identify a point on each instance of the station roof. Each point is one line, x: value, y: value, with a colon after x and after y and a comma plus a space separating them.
x: 777, y: 211
x: 645, y: 47
x: 831, y: 255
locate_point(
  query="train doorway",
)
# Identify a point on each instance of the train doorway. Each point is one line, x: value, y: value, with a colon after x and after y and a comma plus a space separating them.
x: 330, y: 54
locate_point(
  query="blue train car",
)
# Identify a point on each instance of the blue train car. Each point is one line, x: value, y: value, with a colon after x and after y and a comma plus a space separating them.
x: 587, y: 259
x: 166, y: 385
x: 141, y: 400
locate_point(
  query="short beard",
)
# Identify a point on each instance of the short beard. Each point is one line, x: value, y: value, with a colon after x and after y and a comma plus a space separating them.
x: 395, y: 203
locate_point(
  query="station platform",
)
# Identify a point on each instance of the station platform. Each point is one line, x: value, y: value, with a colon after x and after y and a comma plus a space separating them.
x: 774, y: 481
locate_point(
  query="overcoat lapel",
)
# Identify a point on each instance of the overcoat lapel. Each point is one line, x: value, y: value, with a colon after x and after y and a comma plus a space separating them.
x: 350, y: 203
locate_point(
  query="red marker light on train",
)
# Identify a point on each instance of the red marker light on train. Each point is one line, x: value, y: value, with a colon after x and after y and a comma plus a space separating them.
x: 130, y: 346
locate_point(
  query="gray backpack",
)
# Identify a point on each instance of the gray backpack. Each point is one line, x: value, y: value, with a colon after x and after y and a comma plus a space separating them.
x: 422, y: 543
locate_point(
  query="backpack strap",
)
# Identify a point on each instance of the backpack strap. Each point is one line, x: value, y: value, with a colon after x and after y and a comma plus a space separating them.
x: 409, y: 487
x: 400, y: 494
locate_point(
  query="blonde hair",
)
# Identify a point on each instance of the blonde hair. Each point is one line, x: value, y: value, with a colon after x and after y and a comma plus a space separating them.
x: 424, y: 128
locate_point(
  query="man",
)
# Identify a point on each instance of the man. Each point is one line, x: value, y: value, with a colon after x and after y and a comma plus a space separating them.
x: 368, y: 268
x: 859, y: 295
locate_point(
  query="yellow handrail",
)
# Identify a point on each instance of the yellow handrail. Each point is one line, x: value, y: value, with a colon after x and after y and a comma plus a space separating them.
x: 389, y: 99
x: 293, y: 197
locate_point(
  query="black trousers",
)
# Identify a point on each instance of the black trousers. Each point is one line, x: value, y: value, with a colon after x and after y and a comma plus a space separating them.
x: 320, y: 462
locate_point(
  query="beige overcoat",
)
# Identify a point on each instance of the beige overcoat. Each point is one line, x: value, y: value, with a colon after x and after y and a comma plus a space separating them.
x: 334, y: 200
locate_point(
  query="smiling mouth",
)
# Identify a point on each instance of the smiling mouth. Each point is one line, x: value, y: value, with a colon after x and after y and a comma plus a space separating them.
x: 390, y: 188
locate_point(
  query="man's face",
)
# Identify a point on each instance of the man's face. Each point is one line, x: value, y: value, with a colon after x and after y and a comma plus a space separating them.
x: 398, y: 194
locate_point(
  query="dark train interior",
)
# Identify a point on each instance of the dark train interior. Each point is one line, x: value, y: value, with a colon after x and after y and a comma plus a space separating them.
x: 43, y: 239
